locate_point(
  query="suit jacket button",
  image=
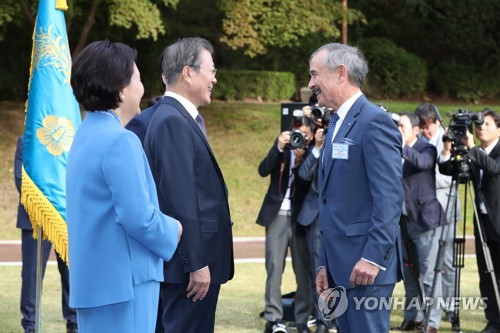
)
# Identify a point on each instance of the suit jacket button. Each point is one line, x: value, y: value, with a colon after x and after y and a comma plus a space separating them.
x: 324, y: 201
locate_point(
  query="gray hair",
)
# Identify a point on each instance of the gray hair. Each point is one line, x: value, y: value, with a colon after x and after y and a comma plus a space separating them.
x: 184, y: 52
x: 351, y: 57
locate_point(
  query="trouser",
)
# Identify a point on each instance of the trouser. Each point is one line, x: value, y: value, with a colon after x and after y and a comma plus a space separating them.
x: 279, y: 236
x: 28, y: 274
x: 485, y: 281
x: 425, y: 244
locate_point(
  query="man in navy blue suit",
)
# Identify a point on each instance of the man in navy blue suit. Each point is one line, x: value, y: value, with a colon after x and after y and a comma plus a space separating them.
x: 191, y: 188
x: 29, y: 255
x: 360, y: 191
x: 423, y: 218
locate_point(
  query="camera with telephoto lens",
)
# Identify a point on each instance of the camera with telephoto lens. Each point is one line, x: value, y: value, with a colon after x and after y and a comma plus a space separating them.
x: 297, y: 138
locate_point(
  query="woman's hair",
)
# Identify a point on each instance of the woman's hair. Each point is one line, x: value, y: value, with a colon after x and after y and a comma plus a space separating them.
x: 99, y: 72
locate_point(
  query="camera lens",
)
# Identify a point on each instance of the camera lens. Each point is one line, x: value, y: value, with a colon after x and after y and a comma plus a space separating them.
x: 297, y: 139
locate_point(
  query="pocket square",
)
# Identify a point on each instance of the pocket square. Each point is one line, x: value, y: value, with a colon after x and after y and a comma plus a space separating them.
x: 348, y: 141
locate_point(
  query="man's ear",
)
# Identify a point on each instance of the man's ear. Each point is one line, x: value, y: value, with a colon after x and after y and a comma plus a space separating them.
x: 186, y: 73
x: 342, y: 70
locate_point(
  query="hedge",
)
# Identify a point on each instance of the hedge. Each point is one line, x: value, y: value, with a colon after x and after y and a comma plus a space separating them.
x: 264, y: 85
x: 467, y: 82
x: 393, y: 71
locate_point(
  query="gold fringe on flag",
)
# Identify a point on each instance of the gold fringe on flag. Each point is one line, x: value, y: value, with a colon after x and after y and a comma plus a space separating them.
x: 61, y: 4
x: 43, y: 214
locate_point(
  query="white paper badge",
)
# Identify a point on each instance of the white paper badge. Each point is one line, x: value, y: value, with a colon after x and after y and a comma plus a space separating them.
x: 340, y: 151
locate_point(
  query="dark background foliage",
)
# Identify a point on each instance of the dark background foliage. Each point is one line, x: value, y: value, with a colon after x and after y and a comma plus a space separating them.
x: 415, y: 48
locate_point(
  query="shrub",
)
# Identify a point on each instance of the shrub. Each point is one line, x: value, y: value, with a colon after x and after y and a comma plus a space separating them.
x: 394, y: 72
x: 265, y: 85
x: 466, y: 82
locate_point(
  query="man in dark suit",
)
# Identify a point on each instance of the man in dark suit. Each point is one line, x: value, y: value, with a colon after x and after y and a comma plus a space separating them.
x: 29, y: 256
x: 423, y: 218
x: 360, y: 191
x: 485, y: 175
x: 278, y: 215
x: 191, y: 189
x: 139, y: 125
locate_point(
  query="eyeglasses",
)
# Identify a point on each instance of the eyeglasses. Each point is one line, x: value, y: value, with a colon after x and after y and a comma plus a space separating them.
x: 212, y: 70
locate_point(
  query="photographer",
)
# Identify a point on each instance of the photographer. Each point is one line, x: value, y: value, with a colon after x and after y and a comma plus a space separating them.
x: 484, y: 162
x: 309, y: 214
x: 278, y: 214
x: 432, y: 131
x: 421, y: 221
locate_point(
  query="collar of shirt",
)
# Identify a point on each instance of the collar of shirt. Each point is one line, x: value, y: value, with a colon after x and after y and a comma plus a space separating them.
x: 342, y: 111
x: 344, y: 108
x: 490, y: 147
x: 191, y: 109
x: 411, y: 144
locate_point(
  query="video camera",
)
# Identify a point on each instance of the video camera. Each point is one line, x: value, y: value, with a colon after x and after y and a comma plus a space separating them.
x: 460, y: 123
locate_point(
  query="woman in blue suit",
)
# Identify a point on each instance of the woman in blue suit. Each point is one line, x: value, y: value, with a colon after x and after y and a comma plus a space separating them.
x: 118, y: 238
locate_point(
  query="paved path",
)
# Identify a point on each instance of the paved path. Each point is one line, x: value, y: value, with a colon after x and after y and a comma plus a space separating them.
x: 245, y: 249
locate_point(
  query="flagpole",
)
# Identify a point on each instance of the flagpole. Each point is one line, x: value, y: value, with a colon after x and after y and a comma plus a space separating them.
x: 38, y: 288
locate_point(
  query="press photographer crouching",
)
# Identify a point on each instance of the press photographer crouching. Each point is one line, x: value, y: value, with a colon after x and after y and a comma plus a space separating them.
x: 459, y: 157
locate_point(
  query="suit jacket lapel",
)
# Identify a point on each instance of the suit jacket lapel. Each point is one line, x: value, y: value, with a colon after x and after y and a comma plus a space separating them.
x: 182, y: 110
x: 345, y: 127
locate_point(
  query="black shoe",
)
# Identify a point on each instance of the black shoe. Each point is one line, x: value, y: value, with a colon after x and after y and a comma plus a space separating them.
x: 490, y: 329
x: 408, y: 325
x: 71, y: 328
x: 320, y: 328
x: 302, y: 328
x: 275, y: 327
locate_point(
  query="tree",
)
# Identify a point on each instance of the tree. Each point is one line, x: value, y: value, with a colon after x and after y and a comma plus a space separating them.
x: 143, y: 14
x: 257, y: 25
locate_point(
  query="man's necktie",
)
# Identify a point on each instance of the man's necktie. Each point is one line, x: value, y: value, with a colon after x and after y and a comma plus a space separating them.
x: 327, y: 149
x: 201, y: 123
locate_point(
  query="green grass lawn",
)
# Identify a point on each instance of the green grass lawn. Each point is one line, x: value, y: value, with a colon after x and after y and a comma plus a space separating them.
x: 240, y: 302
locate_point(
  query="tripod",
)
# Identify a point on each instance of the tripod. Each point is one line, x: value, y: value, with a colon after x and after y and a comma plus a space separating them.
x: 459, y: 245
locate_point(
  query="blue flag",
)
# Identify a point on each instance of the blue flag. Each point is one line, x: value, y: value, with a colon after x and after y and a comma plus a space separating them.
x: 52, y: 118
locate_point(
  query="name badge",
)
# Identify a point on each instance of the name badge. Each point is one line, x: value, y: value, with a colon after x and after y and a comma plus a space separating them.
x: 340, y: 151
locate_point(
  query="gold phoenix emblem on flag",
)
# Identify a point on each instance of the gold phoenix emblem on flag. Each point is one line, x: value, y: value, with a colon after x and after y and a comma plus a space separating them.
x: 54, y: 50
x: 56, y: 134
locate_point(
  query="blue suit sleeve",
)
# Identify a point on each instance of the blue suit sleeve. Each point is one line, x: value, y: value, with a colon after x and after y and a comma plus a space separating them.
x: 126, y: 171
x: 382, y: 153
x: 308, y: 167
x: 423, y: 160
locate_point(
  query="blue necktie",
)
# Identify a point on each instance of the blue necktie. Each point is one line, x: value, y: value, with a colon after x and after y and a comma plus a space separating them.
x: 327, y: 149
x: 201, y: 123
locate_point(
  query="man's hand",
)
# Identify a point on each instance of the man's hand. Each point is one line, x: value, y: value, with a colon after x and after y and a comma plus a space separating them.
x: 199, y: 282
x: 299, y: 156
x: 363, y: 274
x: 321, y: 281
x: 319, y: 138
x: 447, y: 145
x: 283, y: 139
x: 469, y: 142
